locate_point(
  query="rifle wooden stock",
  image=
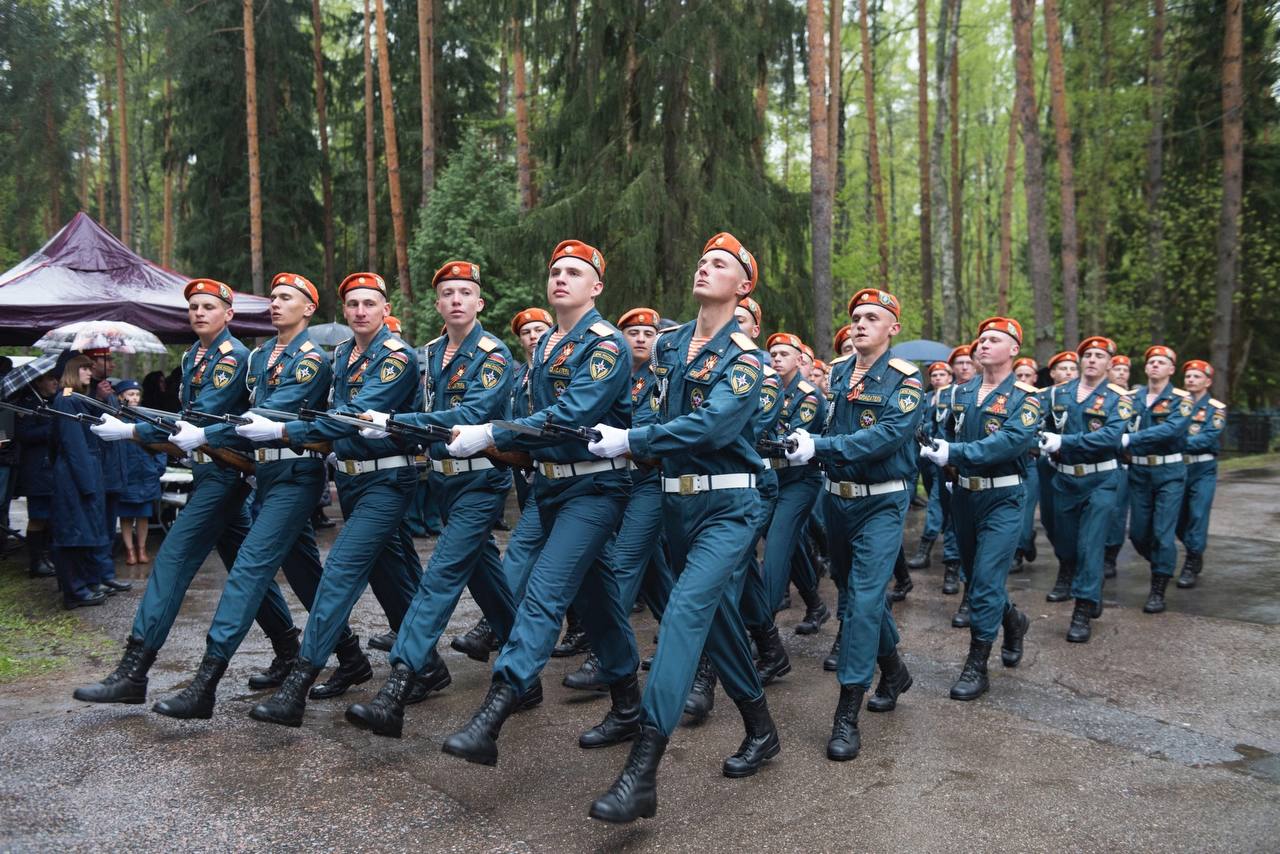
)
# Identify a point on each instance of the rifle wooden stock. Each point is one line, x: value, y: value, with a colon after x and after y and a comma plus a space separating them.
x: 223, y: 456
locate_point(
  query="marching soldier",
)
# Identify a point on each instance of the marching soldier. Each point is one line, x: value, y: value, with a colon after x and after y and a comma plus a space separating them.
x: 1200, y: 451
x: 842, y: 344
x: 1118, y: 374
x: 869, y: 460
x: 1025, y: 370
x: 1157, y: 472
x: 993, y: 425
x: 936, y: 414
x: 1063, y: 368
x: 962, y: 370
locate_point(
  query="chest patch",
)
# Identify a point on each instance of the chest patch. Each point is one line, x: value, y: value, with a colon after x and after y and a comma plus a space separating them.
x: 560, y: 367
x: 866, y: 418
x: 908, y: 398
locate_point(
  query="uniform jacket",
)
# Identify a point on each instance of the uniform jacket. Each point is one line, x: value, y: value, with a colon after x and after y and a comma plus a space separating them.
x: 144, y: 468
x: 78, y: 512
x: 215, y: 384
x: 1204, y: 433
x: 799, y: 406
x: 1091, y: 430
x: 992, y: 439
x: 644, y: 411
x: 1162, y: 425
x: 35, y: 469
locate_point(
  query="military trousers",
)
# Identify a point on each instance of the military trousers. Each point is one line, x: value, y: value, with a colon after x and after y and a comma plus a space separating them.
x: 931, y: 478
x: 1155, y: 502
x: 522, y: 548
x: 1119, y: 523
x: 987, y: 525
x: 1197, y: 501
x: 1044, y: 477
x: 636, y: 554
x: 1083, y: 507
x: 785, y: 531
x: 1032, y: 488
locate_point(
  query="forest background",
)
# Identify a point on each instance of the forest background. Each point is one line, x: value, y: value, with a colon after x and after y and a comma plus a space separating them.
x: 1087, y: 166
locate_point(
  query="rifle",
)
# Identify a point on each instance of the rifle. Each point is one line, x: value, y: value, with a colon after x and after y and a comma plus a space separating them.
x: 167, y: 421
x: 413, y: 434
x: 46, y: 411
x: 776, y: 447
x: 550, y: 430
x: 190, y: 414
x: 925, y: 441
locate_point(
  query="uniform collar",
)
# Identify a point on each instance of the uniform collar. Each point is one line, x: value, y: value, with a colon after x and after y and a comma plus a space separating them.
x: 224, y: 335
x: 717, y: 344
x: 876, y: 371
x: 291, y: 349
x: 576, y: 334
x: 467, y: 347
x: 790, y: 387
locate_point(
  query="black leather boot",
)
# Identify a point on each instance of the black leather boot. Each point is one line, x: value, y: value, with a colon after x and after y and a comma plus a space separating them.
x: 1195, y: 560
x: 477, y: 643
x: 622, y: 721
x: 434, y: 677
x: 586, y: 677
x: 196, y: 700
x: 478, y: 740
x: 960, y: 619
x: 38, y: 563
x: 702, y: 696
x: 972, y: 683
x: 574, y: 641
x: 922, y: 559
x: 1109, y: 561
x: 1079, y: 630
x: 1190, y: 569
x: 815, y: 613
x: 353, y: 669
x: 1155, y: 599
x: 1061, y: 591
x: 773, y: 661
x: 902, y: 583
x: 894, y: 681
x: 845, y: 741
x: 832, y: 661
x: 635, y: 793
x: 384, y: 714
x: 761, y: 742
x: 951, y: 578
x: 127, y: 683
x: 1017, y: 563
x: 286, y: 648
x: 1015, y: 625
x: 287, y: 705
x: 384, y: 641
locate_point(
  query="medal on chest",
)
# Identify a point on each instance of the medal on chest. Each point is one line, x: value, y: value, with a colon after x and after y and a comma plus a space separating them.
x: 696, y: 396
x: 560, y: 366
x: 704, y: 371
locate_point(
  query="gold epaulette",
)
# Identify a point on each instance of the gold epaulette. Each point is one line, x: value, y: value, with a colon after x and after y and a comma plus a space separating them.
x: 601, y: 328
x: 1118, y: 389
x: 805, y: 387
x: 393, y: 344
x: 487, y: 344
x: 743, y: 341
x: 838, y: 359
x: 769, y: 372
x: 1135, y: 389
x: 306, y: 347
x: 1217, y: 403
x: 1180, y: 392
x: 904, y: 367
x: 1027, y: 387
x: 225, y: 347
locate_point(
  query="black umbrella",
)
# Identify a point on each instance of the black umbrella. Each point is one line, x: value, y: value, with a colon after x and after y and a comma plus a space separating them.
x: 329, y: 334
x: 23, y: 374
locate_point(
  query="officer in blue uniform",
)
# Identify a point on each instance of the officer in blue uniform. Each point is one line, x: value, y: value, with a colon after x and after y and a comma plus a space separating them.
x: 115, y: 472
x: 709, y: 377
x: 1200, y: 453
x: 578, y: 377
x: 868, y: 455
x: 1063, y: 368
x: 993, y: 425
x: 935, y: 414
x: 1025, y: 370
x: 1119, y: 524
x: 213, y: 380
x: 962, y: 370
x: 1157, y: 472
x: 1088, y: 418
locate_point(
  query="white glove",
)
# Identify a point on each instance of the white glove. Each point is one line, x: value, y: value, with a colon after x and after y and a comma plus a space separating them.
x: 331, y: 458
x: 112, y: 429
x: 1050, y: 443
x: 378, y: 418
x: 189, y: 437
x: 469, y: 440
x: 613, y: 442
x: 938, y: 455
x: 804, y: 447
x: 260, y: 429
x: 1124, y: 439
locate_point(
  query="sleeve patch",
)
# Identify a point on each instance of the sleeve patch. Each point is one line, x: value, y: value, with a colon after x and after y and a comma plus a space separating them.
x: 307, y: 369
x: 748, y: 359
x: 223, y: 373
x: 603, y: 360
x: 807, y: 410
x: 913, y: 382
x: 491, y: 370
x: 908, y: 398
x: 1124, y: 408
x: 392, y: 367
x: 743, y: 377
x: 1185, y: 406
x: 1030, y: 414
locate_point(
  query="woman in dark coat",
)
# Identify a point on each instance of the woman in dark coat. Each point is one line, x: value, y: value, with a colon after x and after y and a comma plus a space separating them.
x: 79, y: 506
x: 35, y: 471
x: 137, y: 501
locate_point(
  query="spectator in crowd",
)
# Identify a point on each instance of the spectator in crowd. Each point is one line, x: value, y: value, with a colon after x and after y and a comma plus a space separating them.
x: 35, y: 471
x: 155, y: 391
x: 8, y: 459
x: 137, y: 501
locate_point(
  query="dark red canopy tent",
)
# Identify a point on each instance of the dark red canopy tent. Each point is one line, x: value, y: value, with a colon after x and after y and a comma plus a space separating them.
x: 85, y: 273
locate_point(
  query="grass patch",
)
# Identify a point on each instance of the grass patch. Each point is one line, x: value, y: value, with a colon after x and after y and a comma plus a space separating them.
x: 36, y: 635
x: 1248, y: 461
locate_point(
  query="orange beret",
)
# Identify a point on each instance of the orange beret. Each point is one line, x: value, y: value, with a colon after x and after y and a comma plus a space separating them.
x: 728, y: 243
x: 457, y: 270
x: 372, y: 281
x: 875, y: 296
x: 1007, y: 325
x: 639, y: 317
x: 962, y: 350
x: 393, y: 324
x: 1198, y: 365
x: 1097, y: 342
x: 1025, y: 360
x: 1160, y: 350
x: 939, y: 366
x: 807, y: 350
x: 1064, y: 356
x: 752, y: 306
x: 1120, y: 360
x: 302, y: 283
x: 211, y: 287
x: 841, y: 334
x: 581, y: 251
x: 821, y: 365
x: 530, y: 315
x: 785, y: 338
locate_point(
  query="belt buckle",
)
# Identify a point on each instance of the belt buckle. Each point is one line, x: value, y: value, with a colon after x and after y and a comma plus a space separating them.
x: 260, y: 454
x: 351, y: 467
x: 688, y: 484
x: 846, y: 489
x: 549, y: 470
x: 1079, y: 469
x: 447, y: 468
x: 973, y: 484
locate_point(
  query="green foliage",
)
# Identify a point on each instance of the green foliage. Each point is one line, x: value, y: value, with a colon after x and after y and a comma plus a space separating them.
x: 36, y: 636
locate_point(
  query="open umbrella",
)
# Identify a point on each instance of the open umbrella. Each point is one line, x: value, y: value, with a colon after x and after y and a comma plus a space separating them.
x: 922, y: 350
x: 114, y: 335
x: 329, y: 334
x: 25, y: 373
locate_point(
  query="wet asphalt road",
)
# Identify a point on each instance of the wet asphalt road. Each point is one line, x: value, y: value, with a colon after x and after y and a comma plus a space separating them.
x: 1162, y: 733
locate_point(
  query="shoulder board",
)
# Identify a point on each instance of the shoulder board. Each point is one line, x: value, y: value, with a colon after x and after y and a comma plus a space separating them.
x: 1027, y: 387
x: 805, y: 387
x: 1136, y: 389
x: 1118, y: 389
x: 226, y: 347
x: 1043, y: 390
x: 945, y: 387
x: 393, y: 344
x: 903, y: 366
x: 602, y: 328
x: 743, y: 341
x: 672, y: 328
x: 1217, y: 403
x: 1181, y: 392
x: 1061, y: 384
x: 307, y: 347
x: 487, y: 344
x: 838, y: 359
x: 66, y: 391
x: 769, y: 372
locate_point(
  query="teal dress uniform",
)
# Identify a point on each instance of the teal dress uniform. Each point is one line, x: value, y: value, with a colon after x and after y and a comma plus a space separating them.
x: 990, y: 440
x: 1157, y: 475
x: 215, y: 512
x: 472, y: 387
x: 934, y: 417
x: 78, y: 517
x: 705, y: 437
x: 1050, y: 403
x: 757, y: 603
x: 868, y: 455
x: 1200, y: 453
x: 1085, y: 478
x: 376, y: 482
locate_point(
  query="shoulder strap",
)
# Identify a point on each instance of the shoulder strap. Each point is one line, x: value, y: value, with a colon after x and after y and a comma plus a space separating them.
x: 1118, y: 389
x: 602, y: 329
x: 1027, y: 387
x: 743, y: 341
x: 902, y: 366
x: 1217, y: 404
x: 805, y: 387
x: 392, y: 343
x: 487, y: 344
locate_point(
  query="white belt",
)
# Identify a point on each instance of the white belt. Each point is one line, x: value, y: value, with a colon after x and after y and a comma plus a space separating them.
x: 1198, y: 458
x: 559, y: 471
x: 355, y: 467
x: 692, y: 484
x: 1157, y: 460
x: 271, y: 455
x: 1082, y: 469
x: 977, y: 484
x: 450, y: 467
x: 849, y: 489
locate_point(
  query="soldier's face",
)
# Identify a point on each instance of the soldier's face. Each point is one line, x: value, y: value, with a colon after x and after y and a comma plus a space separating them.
x: 530, y: 333
x: 1159, y: 368
x: 719, y: 277
x: 458, y: 301
x: 1195, y: 381
x: 939, y: 378
x: 818, y: 377
x: 995, y: 348
x: 785, y: 358
x: 572, y: 284
x: 640, y: 339
x: 132, y: 397
x: 846, y: 346
x: 208, y: 315
x: 1119, y: 374
x: 963, y: 367
x: 289, y: 307
x: 1025, y: 374
x: 1064, y: 372
x: 872, y: 328
x: 746, y: 322
x: 365, y: 310
x: 1094, y: 363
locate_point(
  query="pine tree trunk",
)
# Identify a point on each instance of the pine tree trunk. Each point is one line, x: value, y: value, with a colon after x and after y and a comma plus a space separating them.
x: 126, y: 230
x: 1033, y: 181
x: 104, y: 158
x: 370, y: 150
x: 948, y: 39
x: 427, y: 73
x: 1095, y: 280
x: 53, y: 217
x: 926, y: 211
x: 819, y: 177
x: 393, y: 158
x: 1154, y: 185
x: 524, y: 167
x: 1066, y: 178
x: 1006, y: 214
x: 762, y: 106
x: 326, y: 170
x: 166, y: 233
x: 1225, y: 280
x: 255, y: 166
x: 957, y: 186
x: 834, y: 86
x: 873, y: 148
